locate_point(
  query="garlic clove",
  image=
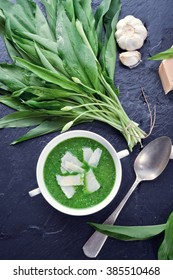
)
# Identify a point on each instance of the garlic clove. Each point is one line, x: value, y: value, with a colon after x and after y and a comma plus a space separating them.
x: 130, y: 58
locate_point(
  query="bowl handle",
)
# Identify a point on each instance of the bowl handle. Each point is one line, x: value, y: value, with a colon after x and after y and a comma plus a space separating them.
x: 34, y: 192
x: 123, y: 153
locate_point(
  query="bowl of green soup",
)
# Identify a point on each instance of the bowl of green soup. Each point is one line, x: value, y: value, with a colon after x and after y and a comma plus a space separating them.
x: 79, y: 172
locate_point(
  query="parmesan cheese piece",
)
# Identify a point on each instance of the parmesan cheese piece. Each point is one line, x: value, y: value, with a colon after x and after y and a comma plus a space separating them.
x: 70, y: 180
x: 68, y: 191
x: 87, y: 153
x: 95, y: 158
x: 70, y: 158
x: 166, y: 74
x: 92, y: 184
x: 71, y: 167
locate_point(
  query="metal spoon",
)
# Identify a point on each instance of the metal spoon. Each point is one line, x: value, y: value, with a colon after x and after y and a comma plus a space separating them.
x: 148, y: 165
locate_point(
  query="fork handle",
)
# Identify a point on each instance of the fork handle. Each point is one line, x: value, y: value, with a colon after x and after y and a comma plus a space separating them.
x: 94, y: 244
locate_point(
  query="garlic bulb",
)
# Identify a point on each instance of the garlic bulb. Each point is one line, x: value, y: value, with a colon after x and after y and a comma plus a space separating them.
x: 131, y: 33
x: 130, y: 58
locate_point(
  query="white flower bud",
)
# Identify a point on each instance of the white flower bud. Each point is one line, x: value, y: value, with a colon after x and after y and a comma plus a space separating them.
x: 66, y: 108
x: 76, y: 80
x: 67, y: 126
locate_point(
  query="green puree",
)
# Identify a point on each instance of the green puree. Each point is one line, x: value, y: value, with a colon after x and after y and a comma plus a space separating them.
x: 105, y: 173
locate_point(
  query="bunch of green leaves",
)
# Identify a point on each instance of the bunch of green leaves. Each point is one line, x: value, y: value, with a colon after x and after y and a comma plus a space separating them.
x: 133, y: 233
x: 63, y: 64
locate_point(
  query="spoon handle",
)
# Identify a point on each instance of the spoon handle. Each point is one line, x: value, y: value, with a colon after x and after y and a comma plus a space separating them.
x: 94, y: 244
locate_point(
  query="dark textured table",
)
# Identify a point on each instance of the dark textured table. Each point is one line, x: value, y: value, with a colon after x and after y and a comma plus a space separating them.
x: 31, y: 228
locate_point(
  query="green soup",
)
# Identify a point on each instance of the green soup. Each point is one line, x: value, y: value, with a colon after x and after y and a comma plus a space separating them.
x: 105, y: 173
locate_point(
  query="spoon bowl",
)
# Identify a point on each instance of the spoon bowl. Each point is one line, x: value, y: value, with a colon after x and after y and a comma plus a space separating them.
x: 153, y: 159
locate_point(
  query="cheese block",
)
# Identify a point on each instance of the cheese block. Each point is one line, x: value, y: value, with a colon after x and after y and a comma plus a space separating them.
x: 166, y: 74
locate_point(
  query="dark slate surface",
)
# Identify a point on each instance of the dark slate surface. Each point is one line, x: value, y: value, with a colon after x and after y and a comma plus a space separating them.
x: 31, y: 228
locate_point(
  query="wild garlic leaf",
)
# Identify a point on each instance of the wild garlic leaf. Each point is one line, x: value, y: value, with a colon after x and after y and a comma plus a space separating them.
x: 80, y: 29
x: 47, y: 126
x: 20, y: 14
x: 16, y: 78
x: 41, y: 25
x: 109, y: 51
x: 129, y: 233
x: 44, y: 60
x: 23, y: 119
x: 166, y: 249
x: 51, y: 7
x: 163, y: 55
x: 20, y: 52
x: 44, y: 93
x: 28, y: 6
x: 47, y: 105
x: 8, y: 31
x: 44, y: 42
x: 2, y: 23
x: 10, y: 75
x: 6, y: 5
x: 54, y: 59
x: 107, y: 15
x: 26, y: 47
x: 99, y: 16
x: 48, y: 75
x: 84, y: 14
x: 87, y: 7
x: 79, y: 60
x: 69, y: 8
x: 13, y: 103
x: 44, y: 128
x: 12, y: 51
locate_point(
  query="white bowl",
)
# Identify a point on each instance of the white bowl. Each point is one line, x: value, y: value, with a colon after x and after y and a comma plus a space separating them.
x: 40, y: 167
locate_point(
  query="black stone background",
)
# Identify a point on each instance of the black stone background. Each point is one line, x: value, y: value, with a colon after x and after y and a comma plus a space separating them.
x: 30, y: 228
